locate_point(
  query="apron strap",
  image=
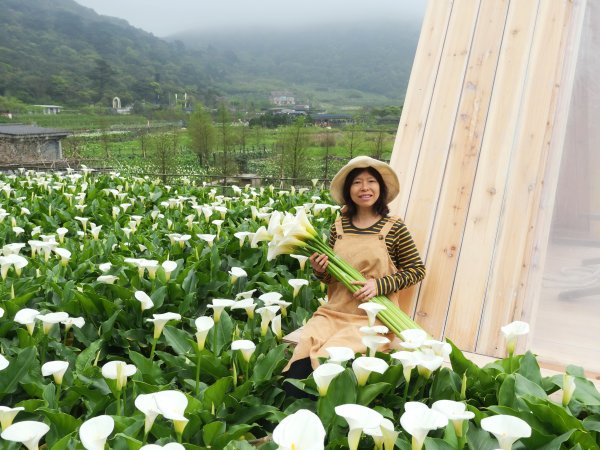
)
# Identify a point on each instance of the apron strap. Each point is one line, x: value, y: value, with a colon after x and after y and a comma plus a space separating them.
x: 339, y: 229
x: 387, y: 227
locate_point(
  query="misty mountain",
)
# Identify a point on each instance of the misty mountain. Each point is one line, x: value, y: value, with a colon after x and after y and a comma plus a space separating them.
x: 57, y: 51
x: 361, y: 58
x: 60, y: 51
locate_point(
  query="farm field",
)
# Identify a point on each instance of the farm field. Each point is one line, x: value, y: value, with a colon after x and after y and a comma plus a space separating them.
x: 165, y: 321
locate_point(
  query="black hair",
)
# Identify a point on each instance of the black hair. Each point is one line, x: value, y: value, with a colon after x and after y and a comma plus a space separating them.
x: 380, y: 205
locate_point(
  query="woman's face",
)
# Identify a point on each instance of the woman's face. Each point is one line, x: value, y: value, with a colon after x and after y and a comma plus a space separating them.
x: 364, y: 190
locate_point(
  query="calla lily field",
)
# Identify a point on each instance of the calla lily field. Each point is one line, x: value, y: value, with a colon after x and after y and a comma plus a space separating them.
x: 139, y: 315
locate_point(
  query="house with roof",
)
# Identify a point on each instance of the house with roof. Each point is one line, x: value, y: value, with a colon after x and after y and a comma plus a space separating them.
x: 29, y: 143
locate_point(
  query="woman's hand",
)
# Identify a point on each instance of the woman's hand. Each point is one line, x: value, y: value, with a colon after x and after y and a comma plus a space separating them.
x: 319, y: 262
x: 367, y: 291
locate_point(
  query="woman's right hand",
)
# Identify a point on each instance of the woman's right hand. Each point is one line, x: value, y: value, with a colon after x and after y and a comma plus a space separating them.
x: 319, y: 262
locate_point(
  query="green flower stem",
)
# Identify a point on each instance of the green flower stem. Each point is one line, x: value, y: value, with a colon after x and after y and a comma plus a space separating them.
x: 154, y: 341
x: 118, y: 396
x: 198, y: 361
x: 58, y: 391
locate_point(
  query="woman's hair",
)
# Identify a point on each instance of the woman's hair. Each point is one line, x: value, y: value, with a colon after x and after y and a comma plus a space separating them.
x: 380, y: 205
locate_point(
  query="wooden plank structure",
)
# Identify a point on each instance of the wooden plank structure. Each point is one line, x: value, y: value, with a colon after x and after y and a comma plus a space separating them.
x: 477, y: 152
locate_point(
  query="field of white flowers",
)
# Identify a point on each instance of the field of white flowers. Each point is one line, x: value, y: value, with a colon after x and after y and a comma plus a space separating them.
x: 139, y: 315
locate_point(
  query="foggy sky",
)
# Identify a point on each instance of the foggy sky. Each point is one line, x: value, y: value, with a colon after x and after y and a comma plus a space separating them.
x: 165, y: 17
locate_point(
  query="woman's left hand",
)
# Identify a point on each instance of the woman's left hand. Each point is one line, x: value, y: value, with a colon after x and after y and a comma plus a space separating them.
x: 367, y: 291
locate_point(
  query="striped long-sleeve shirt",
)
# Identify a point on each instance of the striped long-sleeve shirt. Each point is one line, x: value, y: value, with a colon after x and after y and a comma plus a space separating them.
x: 401, y: 248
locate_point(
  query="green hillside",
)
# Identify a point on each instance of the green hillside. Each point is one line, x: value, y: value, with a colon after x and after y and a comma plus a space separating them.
x: 57, y: 51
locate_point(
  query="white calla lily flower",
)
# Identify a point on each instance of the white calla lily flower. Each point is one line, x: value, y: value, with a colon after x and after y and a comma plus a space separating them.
x: 218, y: 305
x: 203, y: 326
x: 372, y: 309
x: 301, y: 259
x: 3, y: 362
x: 94, y: 432
x: 208, y: 238
x: 169, y: 267
x: 27, y: 317
x: 456, y: 412
x: 27, y: 433
x: 373, y: 342
x: 302, y: 430
x: 568, y: 388
x: 358, y: 417
x: 506, y: 429
x: 364, y: 365
x: 144, y: 299
x: 418, y: 420
x: 511, y: 333
x: 169, y: 446
x: 235, y: 273
x: 247, y: 304
x: 118, y: 371
x: 7, y: 415
x: 297, y: 284
x: 267, y: 313
x: 268, y: 298
x: 79, y: 322
x: 242, y: 235
x: 324, y: 375
x: 409, y: 361
x: 107, y: 279
x: 339, y: 355
x: 146, y: 403
x: 245, y: 294
x: 413, y: 338
x: 51, y: 319
x: 276, y: 327
x: 245, y: 346
x: 55, y: 368
x: 375, y: 329
x: 172, y: 405
x: 160, y: 320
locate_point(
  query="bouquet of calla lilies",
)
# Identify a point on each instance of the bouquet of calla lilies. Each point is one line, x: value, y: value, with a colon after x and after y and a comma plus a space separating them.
x: 288, y: 234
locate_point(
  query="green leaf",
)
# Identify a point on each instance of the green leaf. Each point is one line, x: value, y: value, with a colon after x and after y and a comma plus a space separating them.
x: 368, y: 393
x: 17, y: 369
x: 592, y: 423
x: 479, y: 439
x: 63, y: 444
x: 178, y: 340
x: 150, y: 370
x: 88, y: 356
x: 213, y: 395
x: 61, y: 424
x: 437, y: 444
x: 267, y: 364
x: 233, y: 432
x: 554, y: 444
x: 211, y: 431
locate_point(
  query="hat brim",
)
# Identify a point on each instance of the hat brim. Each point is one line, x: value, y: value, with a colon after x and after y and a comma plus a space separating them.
x: 362, y: 162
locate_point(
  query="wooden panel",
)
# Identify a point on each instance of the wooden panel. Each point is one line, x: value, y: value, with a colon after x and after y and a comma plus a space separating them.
x: 444, y: 248
x: 440, y: 124
x: 557, y: 153
x: 476, y: 255
x: 423, y: 77
x: 516, y: 217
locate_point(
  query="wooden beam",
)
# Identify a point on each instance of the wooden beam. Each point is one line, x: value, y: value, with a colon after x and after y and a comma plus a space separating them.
x: 459, y: 173
x: 477, y: 249
x: 524, y: 177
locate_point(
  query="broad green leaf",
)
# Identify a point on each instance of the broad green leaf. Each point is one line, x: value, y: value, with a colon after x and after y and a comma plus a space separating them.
x: 233, y: 432
x: 267, y: 364
x: 213, y: 395
x: 210, y: 432
x: 61, y: 424
x: 554, y: 444
x: 437, y: 444
x: 178, y: 340
x: 368, y: 393
x: 478, y: 439
x: 17, y: 369
x: 65, y: 442
x: 88, y: 356
x: 592, y: 423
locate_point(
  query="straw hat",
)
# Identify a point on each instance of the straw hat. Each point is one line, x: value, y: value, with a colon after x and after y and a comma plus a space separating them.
x: 387, y: 173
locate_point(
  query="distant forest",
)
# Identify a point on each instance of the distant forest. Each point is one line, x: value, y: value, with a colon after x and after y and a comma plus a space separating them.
x: 57, y: 51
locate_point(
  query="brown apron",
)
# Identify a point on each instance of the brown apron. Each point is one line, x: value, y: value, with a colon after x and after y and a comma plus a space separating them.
x: 337, y: 323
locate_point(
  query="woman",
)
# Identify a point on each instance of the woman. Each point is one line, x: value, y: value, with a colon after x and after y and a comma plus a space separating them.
x: 380, y: 247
